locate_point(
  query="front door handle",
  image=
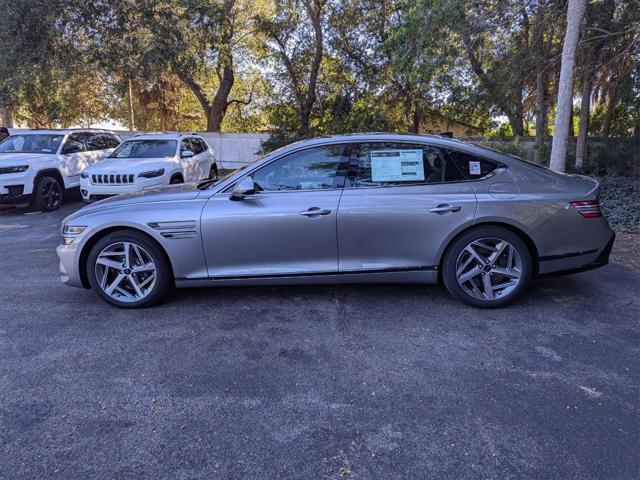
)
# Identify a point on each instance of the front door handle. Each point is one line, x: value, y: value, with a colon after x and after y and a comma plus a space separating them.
x: 314, y: 212
x: 445, y: 208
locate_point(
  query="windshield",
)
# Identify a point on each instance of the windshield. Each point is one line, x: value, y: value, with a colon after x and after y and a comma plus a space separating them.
x: 32, y: 143
x: 146, y: 149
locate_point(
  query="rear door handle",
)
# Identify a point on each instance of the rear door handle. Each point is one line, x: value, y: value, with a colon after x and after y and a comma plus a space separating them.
x: 314, y: 212
x: 445, y: 208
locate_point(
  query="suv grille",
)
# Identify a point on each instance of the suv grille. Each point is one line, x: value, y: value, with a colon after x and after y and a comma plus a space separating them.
x: 113, y: 179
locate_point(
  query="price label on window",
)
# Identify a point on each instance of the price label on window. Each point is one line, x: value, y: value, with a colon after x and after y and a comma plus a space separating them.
x: 397, y: 166
x: 474, y: 168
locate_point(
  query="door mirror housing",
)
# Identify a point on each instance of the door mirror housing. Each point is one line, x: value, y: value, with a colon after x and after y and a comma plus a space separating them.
x: 187, y: 154
x: 243, y: 188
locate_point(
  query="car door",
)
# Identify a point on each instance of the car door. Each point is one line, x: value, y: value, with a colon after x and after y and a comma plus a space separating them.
x: 190, y: 164
x: 288, y: 227
x: 203, y: 156
x: 398, y: 208
x: 75, y: 158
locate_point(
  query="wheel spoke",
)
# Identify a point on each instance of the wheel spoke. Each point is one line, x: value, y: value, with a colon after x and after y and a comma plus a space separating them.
x: 135, y: 286
x: 499, y: 249
x: 507, y: 273
x: 116, y: 282
x: 127, y: 254
x: 465, y: 277
x: 475, y: 254
x: 125, y: 293
x: 147, y: 280
x: 487, y: 288
x: 109, y: 263
x: 464, y: 266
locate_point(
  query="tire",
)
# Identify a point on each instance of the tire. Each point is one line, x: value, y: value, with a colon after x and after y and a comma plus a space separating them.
x: 176, y: 179
x: 213, y: 172
x: 471, y: 271
x: 48, y: 193
x: 146, y: 259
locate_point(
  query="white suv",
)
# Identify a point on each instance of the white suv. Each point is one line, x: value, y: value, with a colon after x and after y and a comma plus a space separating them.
x: 148, y: 161
x: 37, y: 166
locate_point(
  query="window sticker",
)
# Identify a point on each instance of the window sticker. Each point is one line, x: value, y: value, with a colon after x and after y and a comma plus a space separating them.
x: 397, y: 166
x: 474, y: 168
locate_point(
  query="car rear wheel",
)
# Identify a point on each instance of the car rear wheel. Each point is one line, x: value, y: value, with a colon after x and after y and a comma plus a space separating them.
x: 213, y: 173
x: 128, y: 270
x: 47, y: 194
x: 487, y: 267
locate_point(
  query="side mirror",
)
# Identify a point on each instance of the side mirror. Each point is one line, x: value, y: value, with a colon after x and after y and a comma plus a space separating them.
x: 243, y: 188
x: 187, y: 154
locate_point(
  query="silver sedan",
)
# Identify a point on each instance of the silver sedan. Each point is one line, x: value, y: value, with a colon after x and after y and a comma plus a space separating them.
x: 356, y: 208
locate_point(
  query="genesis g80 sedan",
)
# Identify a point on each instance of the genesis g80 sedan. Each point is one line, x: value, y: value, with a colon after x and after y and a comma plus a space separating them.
x: 349, y: 209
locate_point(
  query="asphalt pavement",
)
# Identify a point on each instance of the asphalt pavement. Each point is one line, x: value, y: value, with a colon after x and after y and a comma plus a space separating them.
x: 363, y: 381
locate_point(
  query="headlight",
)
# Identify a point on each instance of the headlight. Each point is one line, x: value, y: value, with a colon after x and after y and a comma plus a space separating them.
x: 84, y: 175
x: 70, y: 232
x: 152, y: 173
x: 18, y: 169
x: 73, y: 229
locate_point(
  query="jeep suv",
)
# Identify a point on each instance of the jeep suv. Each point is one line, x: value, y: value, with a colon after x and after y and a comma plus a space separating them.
x: 37, y: 166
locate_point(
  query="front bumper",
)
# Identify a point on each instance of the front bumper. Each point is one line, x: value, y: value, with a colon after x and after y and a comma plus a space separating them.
x: 14, y: 194
x: 92, y: 192
x: 69, y: 271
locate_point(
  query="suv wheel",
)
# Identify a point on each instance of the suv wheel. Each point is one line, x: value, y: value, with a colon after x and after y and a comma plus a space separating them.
x: 213, y: 173
x: 487, y: 267
x: 128, y: 270
x: 47, y: 194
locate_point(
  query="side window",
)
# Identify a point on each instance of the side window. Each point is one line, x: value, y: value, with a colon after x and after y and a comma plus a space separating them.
x: 196, y: 144
x: 108, y: 141
x: 185, y: 145
x: 202, y: 146
x: 93, y: 141
x: 74, y: 144
x: 465, y: 166
x: 311, y: 169
x: 380, y: 164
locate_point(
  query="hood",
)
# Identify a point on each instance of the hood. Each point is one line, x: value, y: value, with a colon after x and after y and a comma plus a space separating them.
x: 11, y: 159
x: 130, y: 165
x: 169, y: 193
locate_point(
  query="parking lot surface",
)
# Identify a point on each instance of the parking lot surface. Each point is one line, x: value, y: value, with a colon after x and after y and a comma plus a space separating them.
x: 364, y: 381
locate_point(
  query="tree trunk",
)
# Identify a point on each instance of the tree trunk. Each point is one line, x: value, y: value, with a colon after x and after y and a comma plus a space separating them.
x: 314, y: 10
x: 565, y: 89
x: 6, y: 115
x: 583, y: 128
x: 218, y: 108
x: 130, y: 105
x: 416, y: 120
x: 541, y: 91
x: 611, y: 109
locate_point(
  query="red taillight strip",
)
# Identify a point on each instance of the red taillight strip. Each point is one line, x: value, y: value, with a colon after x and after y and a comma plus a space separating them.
x: 588, y: 208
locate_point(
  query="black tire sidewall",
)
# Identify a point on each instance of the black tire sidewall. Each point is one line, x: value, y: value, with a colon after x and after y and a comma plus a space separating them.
x: 163, y: 271
x: 451, y: 256
x: 38, y: 202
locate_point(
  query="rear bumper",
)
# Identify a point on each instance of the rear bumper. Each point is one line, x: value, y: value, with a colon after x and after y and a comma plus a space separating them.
x: 577, y: 262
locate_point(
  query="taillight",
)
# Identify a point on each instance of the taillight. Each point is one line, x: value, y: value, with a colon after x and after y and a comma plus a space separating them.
x: 588, y: 208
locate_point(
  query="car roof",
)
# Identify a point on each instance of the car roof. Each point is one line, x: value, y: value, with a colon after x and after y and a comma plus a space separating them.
x: 60, y: 131
x: 162, y: 136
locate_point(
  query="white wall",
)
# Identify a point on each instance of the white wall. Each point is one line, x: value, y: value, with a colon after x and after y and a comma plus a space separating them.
x: 232, y: 150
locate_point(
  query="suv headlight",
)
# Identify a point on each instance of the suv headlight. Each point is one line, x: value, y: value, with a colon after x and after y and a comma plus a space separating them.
x: 18, y: 169
x: 84, y: 175
x: 152, y: 173
x: 70, y: 232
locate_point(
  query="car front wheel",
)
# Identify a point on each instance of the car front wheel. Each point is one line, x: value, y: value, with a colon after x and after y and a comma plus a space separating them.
x: 47, y: 194
x: 487, y: 267
x: 128, y: 270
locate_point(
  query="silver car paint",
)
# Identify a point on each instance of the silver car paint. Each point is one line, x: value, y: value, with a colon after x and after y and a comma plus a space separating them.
x: 386, y: 229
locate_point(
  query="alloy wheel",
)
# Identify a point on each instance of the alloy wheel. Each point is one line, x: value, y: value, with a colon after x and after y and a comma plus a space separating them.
x: 489, y: 269
x: 51, y: 194
x: 125, y: 272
